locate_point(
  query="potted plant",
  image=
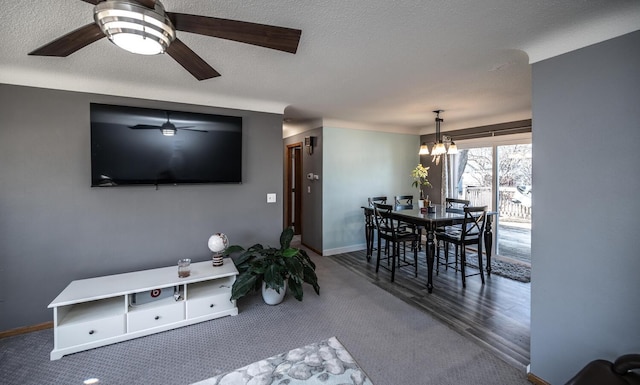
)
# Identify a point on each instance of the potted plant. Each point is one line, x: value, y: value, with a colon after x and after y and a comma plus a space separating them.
x: 419, y: 175
x: 273, y: 269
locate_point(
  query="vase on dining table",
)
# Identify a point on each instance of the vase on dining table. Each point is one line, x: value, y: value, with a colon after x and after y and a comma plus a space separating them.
x: 423, y: 202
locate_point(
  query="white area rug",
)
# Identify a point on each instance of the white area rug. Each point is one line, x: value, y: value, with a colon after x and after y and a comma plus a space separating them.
x: 323, y: 363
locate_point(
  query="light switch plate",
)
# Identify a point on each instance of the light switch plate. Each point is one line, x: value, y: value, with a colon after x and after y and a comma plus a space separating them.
x: 271, y: 198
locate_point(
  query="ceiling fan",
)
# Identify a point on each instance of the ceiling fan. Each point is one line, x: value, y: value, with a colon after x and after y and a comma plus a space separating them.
x: 144, y: 27
x: 167, y: 128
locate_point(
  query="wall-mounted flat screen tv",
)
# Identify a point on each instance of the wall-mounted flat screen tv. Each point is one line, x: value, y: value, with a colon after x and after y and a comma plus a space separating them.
x: 143, y: 146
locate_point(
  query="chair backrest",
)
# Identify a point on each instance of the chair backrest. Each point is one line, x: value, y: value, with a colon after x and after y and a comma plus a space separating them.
x: 382, y: 217
x: 372, y: 200
x: 474, y: 220
x: 404, y: 202
x: 454, y: 205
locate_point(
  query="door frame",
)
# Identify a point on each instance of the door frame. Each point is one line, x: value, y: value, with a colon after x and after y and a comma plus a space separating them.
x: 293, y: 185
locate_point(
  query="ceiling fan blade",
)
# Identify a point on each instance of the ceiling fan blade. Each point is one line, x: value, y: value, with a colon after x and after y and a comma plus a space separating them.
x: 191, y: 61
x: 71, y: 42
x: 147, y: 3
x: 144, y: 127
x: 279, y: 38
x: 190, y: 129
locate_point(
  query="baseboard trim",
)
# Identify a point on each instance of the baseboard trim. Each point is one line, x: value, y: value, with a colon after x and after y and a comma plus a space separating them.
x: 536, y: 380
x: 341, y: 250
x: 26, y: 329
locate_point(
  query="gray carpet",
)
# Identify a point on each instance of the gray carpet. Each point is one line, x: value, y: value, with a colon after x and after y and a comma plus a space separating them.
x: 394, y: 343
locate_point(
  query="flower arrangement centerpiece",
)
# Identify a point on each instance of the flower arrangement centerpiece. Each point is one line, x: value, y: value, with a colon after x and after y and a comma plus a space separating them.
x: 419, y: 175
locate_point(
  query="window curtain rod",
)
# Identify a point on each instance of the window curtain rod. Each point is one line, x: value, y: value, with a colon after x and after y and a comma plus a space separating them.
x: 517, y: 127
x: 507, y: 131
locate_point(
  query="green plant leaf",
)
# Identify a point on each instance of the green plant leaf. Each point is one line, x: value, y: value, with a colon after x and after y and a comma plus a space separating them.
x: 243, y: 285
x: 290, y: 252
x: 274, y: 276
x: 246, y: 257
x: 311, y: 278
x: 294, y: 267
x: 258, y: 268
x: 296, y: 288
x: 286, y: 237
x: 306, y: 259
x: 232, y: 249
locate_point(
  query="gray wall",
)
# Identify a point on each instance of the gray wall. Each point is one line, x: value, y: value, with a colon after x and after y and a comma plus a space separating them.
x: 54, y: 228
x: 311, y: 235
x: 359, y: 164
x: 585, y: 301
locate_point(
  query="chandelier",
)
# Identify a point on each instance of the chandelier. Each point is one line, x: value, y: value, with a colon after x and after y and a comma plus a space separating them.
x: 443, y: 145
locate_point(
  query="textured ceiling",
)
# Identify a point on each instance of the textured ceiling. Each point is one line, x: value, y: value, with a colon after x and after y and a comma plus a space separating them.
x: 377, y: 62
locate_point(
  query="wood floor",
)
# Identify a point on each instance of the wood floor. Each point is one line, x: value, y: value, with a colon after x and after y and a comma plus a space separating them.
x: 495, y: 315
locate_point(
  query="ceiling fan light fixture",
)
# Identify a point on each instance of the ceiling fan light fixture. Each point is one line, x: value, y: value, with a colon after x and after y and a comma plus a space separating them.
x: 168, y: 131
x: 135, y: 28
x: 424, y: 149
x: 137, y: 43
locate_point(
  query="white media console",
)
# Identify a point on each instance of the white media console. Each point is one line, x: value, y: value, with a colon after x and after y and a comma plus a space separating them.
x: 95, y: 312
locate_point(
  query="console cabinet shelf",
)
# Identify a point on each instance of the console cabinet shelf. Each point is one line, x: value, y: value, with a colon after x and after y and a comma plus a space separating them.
x: 99, y: 311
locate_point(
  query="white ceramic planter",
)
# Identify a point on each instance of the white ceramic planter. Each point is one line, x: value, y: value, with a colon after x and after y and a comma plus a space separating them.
x: 272, y: 297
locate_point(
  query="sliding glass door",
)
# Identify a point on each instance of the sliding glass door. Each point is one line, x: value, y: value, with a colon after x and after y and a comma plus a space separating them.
x: 496, y: 172
x: 514, y: 202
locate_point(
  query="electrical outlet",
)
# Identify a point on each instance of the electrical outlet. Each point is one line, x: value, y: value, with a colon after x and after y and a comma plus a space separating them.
x: 271, y: 198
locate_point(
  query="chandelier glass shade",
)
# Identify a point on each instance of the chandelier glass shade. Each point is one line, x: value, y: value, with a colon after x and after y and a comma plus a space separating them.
x: 453, y: 149
x: 135, y: 28
x: 438, y: 149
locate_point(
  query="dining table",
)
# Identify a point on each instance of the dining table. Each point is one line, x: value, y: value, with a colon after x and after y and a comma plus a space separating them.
x: 437, y: 216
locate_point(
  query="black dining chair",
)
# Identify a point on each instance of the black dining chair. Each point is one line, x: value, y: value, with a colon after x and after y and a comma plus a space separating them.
x: 390, y: 231
x: 380, y: 199
x: 369, y: 225
x: 456, y: 205
x: 403, y: 202
x: 470, y: 233
x: 452, y: 205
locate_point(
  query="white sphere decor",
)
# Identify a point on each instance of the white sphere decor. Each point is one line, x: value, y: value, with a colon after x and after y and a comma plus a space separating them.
x: 218, y: 242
